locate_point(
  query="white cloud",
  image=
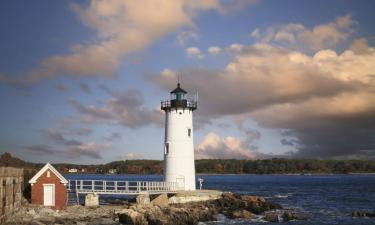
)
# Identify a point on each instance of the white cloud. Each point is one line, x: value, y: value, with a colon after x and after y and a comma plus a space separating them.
x: 236, y: 47
x: 133, y: 155
x: 168, y: 73
x: 214, y: 50
x: 123, y: 27
x: 215, y: 147
x: 318, y: 98
x: 194, y: 52
x: 185, y: 37
x: 321, y: 36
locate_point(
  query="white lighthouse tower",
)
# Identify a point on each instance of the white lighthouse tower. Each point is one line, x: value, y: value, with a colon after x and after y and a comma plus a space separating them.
x: 178, y: 143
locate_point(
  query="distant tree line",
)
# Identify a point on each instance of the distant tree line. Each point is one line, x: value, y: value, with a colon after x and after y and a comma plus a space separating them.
x: 217, y: 166
x: 282, y: 166
x: 233, y: 166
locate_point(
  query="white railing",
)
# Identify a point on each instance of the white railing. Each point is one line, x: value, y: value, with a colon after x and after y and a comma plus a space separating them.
x: 122, y: 187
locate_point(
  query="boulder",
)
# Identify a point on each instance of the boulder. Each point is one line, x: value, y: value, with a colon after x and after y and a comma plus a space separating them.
x: 241, y: 214
x: 160, y: 200
x: 363, y: 214
x: 252, y: 198
x: 272, y: 217
x: 143, y: 199
x: 293, y: 215
x: 37, y: 223
x: 92, y: 200
x: 131, y: 217
x: 254, y: 204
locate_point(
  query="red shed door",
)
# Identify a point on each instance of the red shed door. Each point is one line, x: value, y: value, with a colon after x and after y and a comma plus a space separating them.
x: 49, y: 194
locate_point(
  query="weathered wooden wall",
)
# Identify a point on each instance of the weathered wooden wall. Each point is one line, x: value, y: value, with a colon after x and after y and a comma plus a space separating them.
x: 11, y: 180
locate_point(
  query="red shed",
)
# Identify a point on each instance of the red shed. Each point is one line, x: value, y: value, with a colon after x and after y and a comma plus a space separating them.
x: 48, y: 188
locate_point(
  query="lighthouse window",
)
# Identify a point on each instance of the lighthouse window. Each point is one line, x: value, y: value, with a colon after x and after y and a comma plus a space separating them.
x: 166, y: 148
x: 189, y: 132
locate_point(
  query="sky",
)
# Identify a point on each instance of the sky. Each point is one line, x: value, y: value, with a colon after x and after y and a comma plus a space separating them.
x: 82, y: 81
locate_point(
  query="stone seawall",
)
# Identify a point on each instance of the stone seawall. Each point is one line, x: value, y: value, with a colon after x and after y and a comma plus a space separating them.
x: 11, y: 180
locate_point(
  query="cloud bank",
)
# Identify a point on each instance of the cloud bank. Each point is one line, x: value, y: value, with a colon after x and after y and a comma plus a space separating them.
x: 122, y: 108
x: 322, y: 102
x: 215, y: 147
x: 69, y: 148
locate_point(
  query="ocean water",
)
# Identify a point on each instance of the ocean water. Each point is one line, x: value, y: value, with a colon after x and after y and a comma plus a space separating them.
x: 325, y: 199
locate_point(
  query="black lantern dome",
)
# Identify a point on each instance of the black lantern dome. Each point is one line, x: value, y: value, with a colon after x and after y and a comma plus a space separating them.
x: 178, y: 100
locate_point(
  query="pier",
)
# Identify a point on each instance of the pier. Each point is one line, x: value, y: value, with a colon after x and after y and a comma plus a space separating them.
x: 111, y: 187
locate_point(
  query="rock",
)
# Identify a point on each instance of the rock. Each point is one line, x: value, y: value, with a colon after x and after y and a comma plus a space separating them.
x: 160, y: 200
x: 292, y: 215
x: 157, y: 213
x: 363, y: 214
x: 251, y: 198
x: 103, y: 222
x: 283, y: 216
x: 36, y: 223
x: 47, y: 220
x: 31, y: 212
x: 253, y: 204
x: 143, y: 199
x: 92, y: 200
x: 47, y: 212
x: 272, y: 217
x: 241, y: 214
x: 81, y: 223
x: 132, y: 217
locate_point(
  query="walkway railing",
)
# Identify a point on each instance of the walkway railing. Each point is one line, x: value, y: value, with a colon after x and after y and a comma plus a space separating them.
x: 122, y: 187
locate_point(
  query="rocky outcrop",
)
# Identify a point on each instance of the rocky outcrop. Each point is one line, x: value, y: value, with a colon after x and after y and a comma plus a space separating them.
x: 159, y: 215
x: 74, y: 215
x: 254, y: 204
x: 283, y: 215
x: 242, y: 213
x: 363, y: 214
x: 231, y: 205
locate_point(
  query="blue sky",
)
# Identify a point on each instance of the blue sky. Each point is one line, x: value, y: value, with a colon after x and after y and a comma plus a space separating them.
x: 81, y: 81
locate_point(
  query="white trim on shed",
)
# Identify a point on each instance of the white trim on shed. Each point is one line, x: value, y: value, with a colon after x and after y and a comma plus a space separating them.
x: 43, y: 170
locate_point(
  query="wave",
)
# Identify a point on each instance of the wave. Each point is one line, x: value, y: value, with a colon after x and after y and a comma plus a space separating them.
x: 281, y: 196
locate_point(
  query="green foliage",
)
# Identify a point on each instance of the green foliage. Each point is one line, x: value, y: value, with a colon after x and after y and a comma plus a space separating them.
x: 218, y: 166
x: 284, y: 166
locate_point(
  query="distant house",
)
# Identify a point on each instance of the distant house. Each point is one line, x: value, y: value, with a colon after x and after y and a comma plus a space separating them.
x: 48, y: 188
x: 73, y: 170
x: 112, y: 171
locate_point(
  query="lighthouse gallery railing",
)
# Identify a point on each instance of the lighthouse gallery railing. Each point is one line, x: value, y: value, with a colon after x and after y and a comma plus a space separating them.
x: 122, y: 187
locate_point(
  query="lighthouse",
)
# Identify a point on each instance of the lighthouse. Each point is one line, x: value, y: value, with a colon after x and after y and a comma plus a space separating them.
x: 179, y: 142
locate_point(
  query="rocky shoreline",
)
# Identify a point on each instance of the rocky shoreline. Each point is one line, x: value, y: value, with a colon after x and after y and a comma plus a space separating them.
x: 231, y: 205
